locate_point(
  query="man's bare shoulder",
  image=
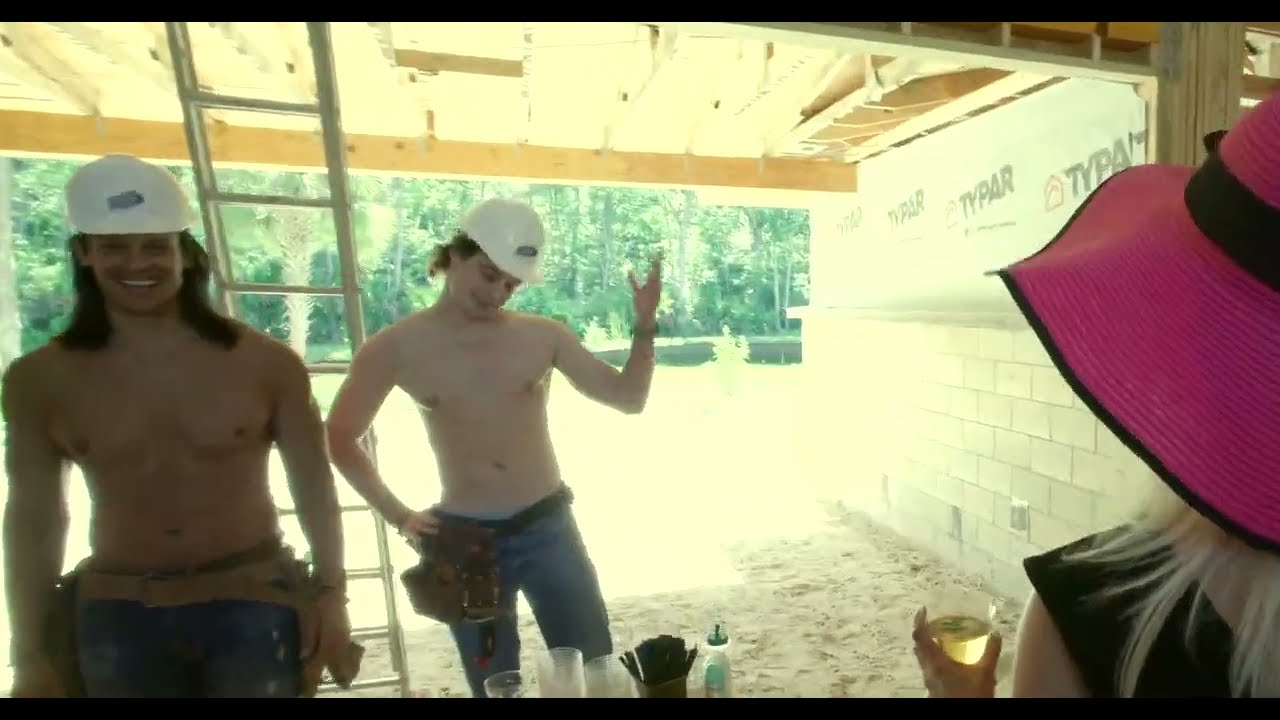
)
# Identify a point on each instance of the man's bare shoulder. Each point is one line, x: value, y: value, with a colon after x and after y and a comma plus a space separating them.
x: 544, y: 327
x: 390, y: 340
x: 268, y: 355
x: 29, y: 378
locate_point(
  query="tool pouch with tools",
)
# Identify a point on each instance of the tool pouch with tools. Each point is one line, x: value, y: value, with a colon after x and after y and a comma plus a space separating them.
x: 456, y: 578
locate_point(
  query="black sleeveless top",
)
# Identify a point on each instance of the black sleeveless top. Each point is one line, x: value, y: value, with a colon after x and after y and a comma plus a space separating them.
x: 1096, y: 631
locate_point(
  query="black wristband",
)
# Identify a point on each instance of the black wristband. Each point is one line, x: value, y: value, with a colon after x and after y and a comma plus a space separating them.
x: 643, y: 333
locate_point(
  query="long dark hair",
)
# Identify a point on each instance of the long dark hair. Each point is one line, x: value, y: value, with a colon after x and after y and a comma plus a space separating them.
x: 90, y: 326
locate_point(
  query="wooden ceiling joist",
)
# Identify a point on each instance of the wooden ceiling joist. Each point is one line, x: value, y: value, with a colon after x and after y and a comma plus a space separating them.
x: 1004, y: 49
x: 662, y: 55
x: 265, y: 56
x: 24, y: 56
x: 433, y: 63
x: 1258, y: 88
x: 989, y: 94
x: 47, y: 135
x: 149, y: 68
x: 884, y: 76
x: 664, y: 104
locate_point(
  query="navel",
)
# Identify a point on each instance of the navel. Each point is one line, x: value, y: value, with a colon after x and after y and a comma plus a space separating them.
x: 499, y: 466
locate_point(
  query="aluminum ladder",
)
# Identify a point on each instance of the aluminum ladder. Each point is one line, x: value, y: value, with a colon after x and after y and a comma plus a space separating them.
x: 194, y: 101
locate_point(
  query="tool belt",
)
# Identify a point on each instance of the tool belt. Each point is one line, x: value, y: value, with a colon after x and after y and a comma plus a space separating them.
x: 457, y: 577
x: 268, y: 573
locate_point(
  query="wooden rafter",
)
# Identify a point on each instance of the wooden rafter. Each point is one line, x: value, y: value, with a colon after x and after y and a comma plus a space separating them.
x: 25, y: 56
x: 433, y: 63
x: 659, y: 58
x: 823, y: 118
x: 273, y: 64
x: 150, y: 65
x: 986, y: 95
x: 1258, y: 88
x: 753, y: 58
x: 49, y: 134
x: 402, y: 82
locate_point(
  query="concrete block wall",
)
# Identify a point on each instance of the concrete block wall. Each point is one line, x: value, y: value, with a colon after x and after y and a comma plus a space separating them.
x: 963, y: 437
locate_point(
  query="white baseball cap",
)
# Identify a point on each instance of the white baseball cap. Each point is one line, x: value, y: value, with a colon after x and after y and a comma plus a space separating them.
x: 122, y: 195
x: 511, y: 234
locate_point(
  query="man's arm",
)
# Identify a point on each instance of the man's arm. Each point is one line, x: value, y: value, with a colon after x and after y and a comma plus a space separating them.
x: 299, y: 435
x: 35, y: 514
x: 364, y: 389
x: 626, y: 391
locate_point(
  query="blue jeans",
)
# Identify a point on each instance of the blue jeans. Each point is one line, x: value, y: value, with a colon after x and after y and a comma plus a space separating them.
x: 228, y: 648
x: 549, y: 563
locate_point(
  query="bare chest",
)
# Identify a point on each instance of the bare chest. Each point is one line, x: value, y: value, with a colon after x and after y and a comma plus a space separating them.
x: 196, y: 411
x: 479, y: 379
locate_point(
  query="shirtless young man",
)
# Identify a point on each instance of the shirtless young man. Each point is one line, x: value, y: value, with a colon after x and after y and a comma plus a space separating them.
x: 480, y: 373
x: 170, y: 410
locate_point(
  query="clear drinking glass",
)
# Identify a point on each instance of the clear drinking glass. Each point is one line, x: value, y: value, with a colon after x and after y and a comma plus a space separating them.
x: 606, y: 677
x: 561, y: 673
x: 508, y: 684
x: 961, y: 621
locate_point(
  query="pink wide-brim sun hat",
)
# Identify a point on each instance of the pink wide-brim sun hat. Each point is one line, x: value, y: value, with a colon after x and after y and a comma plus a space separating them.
x: 1159, y: 302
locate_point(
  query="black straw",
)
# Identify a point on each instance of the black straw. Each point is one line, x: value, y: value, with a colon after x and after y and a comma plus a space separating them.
x: 659, y: 660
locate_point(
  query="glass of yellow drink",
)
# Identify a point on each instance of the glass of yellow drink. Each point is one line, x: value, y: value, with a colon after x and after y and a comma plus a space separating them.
x: 961, y: 622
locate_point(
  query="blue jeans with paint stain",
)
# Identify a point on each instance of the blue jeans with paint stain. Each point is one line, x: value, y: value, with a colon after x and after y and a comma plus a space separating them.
x: 227, y: 648
x: 548, y: 562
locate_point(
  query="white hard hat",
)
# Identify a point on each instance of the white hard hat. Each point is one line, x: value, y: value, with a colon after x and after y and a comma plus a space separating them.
x: 122, y: 195
x: 511, y: 234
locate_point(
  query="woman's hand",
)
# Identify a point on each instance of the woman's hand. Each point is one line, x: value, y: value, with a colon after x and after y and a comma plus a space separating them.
x: 946, y: 678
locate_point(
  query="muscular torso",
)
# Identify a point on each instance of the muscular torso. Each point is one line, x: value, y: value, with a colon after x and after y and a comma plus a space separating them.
x: 174, y: 447
x: 483, y: 395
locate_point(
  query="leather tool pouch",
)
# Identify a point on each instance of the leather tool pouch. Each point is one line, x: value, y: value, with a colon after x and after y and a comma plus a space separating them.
x: 456, y: 578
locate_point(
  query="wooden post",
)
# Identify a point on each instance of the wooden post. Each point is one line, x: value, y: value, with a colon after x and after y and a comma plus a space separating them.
x: 1199, y: 88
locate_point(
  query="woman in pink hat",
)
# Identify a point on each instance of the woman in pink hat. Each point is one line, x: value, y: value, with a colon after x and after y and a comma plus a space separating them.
x: 1159, y: 302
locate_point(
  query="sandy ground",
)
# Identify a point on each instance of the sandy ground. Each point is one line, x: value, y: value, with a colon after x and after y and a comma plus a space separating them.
x: 824, y: 616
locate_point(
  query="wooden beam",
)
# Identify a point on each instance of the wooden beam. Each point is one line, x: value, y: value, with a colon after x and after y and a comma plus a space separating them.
x: 1259, y: 88
x: 1143, y: 32
x: 29, y: 61
x: 1270, y: 28
x: 147, y: 64
x: 432, y: 63
x: 972, y: 102
x: 664, y: 46
x: 910, y: 101
x: 903, y: 39
x: 274, y: 65
x: 52, y: 135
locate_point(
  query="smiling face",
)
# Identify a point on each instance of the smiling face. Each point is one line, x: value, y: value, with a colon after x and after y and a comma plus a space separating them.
x: 479, y: 286
x: 138, y: 274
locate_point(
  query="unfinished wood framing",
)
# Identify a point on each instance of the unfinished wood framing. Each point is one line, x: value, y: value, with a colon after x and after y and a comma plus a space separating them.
x: 1200, y: 87
x: 756, y: 106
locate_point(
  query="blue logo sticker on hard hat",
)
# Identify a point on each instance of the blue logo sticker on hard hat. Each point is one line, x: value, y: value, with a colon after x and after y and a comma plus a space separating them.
x: 527, y: 251
x: 125, y: 200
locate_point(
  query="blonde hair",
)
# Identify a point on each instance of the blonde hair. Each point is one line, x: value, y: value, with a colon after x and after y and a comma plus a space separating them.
x: 1184, y: 549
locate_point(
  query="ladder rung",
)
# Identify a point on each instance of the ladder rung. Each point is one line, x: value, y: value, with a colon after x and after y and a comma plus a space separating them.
x: 284, y: 512
x: 227, y: 198
x: 371, y: 633
x: 361, y: 684
x: 215, y: 101
x: 330, y: 368
x: 277, y: 289
x: 372, y: 573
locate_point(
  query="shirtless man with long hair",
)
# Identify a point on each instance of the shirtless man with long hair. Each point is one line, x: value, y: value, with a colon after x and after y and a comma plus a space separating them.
x: 170, y: 410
